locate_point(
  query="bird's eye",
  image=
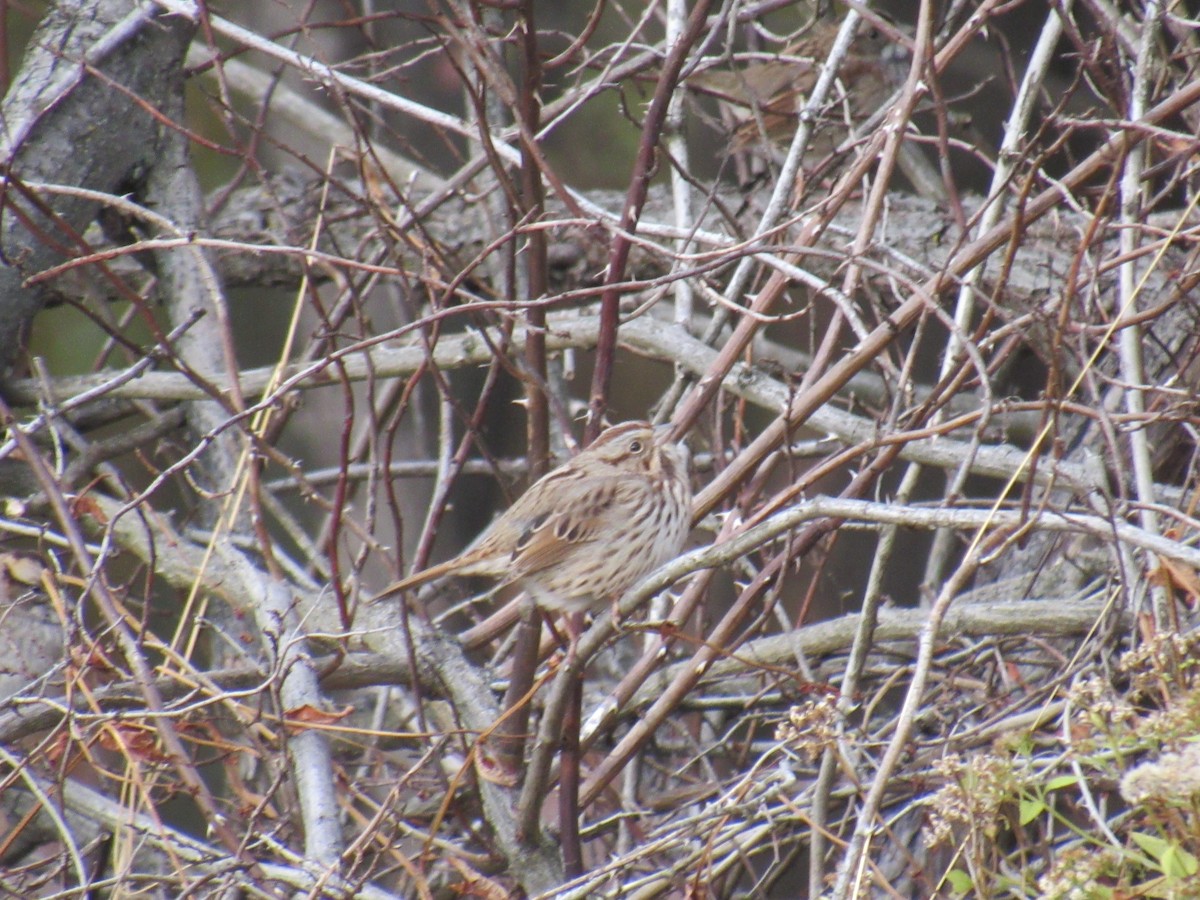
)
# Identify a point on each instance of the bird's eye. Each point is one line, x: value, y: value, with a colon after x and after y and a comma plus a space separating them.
x: 635, y: 446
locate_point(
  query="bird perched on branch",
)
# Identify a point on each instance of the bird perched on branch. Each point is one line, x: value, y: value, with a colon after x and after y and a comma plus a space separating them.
x: 588, y: 531
x: 763, y: 97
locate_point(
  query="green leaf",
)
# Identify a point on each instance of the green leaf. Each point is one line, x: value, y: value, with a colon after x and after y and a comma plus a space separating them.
x: 1178, y: 863
x: 1031, y: 808
x: 960, y: 882
x: 1151, y: 843
x: 1061, y: 781
x: 1171, y: 858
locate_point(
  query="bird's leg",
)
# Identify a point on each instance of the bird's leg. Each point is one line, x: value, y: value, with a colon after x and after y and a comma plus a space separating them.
x: 616, y: 612
x: 555, y: 632
x: 573, y: 623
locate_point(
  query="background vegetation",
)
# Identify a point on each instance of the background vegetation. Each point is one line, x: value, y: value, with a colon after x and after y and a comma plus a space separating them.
x: 294, y: 297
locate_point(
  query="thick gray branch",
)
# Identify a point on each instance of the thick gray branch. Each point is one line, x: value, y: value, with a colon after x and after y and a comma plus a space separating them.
x: 74, y: 115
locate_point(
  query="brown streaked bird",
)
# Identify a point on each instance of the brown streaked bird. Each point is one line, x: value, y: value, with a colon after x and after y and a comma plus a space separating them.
x: 588, y: 531
x: 773, y: 89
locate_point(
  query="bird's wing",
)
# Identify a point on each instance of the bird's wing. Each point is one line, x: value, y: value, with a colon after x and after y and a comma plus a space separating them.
x: 548, y: 540
x: 552, y: 534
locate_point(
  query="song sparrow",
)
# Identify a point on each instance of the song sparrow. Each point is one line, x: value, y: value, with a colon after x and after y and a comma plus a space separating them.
x: 589, y: 530
x: 773, y: 89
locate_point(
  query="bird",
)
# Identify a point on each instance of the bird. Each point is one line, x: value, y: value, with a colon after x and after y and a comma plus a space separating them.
x: 588, y: 531
x: 773, y: 89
